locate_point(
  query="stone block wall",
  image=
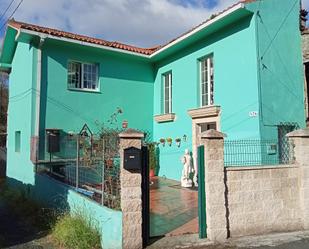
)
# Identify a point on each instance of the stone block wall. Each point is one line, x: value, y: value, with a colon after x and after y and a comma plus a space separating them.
x: 305, y: 45
x: 263, y: 200
x: 256, y: 200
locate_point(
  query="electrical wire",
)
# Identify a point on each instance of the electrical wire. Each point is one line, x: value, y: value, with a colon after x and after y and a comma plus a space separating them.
x: 260, y: 58
x: 3, y: 14
x: 21, y: 96
x: 14, y: 11
x: 279, y: 29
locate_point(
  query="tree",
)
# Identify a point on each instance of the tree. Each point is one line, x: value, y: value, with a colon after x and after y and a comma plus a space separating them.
x: 4, y: 97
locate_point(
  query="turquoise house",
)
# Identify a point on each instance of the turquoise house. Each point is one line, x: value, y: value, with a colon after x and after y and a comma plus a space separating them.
x: 239, y: 72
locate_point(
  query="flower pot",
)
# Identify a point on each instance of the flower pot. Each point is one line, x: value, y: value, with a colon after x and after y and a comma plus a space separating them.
x: 162, y: 141
x: 109, y: 163
x: 151, y: 173
x: 169, y: 141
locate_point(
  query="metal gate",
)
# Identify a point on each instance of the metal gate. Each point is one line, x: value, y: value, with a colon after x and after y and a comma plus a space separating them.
x: 145, y: 197
x: 201, y: 192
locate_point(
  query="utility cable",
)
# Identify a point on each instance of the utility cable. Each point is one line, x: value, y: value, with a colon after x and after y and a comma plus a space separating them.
x: 14, y: 11
x: 3, y: 14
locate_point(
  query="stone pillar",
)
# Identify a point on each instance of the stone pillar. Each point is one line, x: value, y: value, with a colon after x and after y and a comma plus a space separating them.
x: 300, y: 139
x: 214, y: 185
x: 131, y: 194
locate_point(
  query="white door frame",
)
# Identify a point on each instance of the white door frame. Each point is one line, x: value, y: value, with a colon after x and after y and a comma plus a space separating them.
x: 196, y: 133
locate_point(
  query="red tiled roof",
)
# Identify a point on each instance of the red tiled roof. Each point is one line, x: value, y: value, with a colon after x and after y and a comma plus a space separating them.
x: 101, y: 42
x: 83, y: 38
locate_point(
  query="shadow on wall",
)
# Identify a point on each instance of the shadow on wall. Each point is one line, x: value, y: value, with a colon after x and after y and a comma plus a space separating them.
x: 45, y: 193
x: 24, y: 223
x: 52, y: 193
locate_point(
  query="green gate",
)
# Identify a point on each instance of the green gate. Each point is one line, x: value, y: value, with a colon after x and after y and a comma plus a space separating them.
x: 201, y: 193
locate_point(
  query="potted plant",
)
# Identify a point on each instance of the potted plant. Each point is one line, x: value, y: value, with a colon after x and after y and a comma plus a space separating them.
x: 169, y: 141
x: 178, y: 142
x: 162, y: 141
x: 152, y: 159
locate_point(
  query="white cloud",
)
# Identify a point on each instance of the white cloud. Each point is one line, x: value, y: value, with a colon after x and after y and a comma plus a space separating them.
x: 138, y: 22
x: 305, y: 4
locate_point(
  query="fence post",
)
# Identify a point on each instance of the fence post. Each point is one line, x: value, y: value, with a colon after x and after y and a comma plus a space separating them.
x: 131, y: 194
x: 216, y: 212
x: 77, y: 163
x: 300, y: 140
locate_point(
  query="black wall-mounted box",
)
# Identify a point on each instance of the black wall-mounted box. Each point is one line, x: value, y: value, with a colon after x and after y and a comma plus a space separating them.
x: 53, y: 140
x: 132, y: 159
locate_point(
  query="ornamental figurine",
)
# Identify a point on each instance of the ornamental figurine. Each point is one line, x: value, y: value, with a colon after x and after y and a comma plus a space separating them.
x: 186, y: 160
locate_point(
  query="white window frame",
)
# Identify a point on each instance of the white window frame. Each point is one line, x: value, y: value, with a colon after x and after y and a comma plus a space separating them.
x: 170, y: 78
x: 209, y: 100
x: 82, y: 81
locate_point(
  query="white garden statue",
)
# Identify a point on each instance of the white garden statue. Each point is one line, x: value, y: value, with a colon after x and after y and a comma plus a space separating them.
x: 186, y: 160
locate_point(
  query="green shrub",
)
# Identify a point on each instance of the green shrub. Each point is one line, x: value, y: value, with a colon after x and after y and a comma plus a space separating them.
x: 76, y: 232
x: 152, y: 156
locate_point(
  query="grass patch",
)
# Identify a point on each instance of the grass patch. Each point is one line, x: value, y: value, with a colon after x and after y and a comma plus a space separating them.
x: 76, y: 232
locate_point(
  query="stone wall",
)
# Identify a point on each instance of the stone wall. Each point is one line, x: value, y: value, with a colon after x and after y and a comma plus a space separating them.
x: 263, y: 200
x: 255, y: 200
x: 305, y: 44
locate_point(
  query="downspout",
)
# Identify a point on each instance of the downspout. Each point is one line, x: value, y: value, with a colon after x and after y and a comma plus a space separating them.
x: 259, y: 71
x: 38, y: 88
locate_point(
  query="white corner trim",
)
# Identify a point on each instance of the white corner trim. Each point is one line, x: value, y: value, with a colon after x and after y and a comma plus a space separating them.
x: 196, y: 30
x: 38, y: 88
x: 18, y: 34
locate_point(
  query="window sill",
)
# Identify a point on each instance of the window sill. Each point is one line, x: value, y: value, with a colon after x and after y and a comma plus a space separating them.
x: 164, y: 118
x: 84, y: 90
x: 204, y: 112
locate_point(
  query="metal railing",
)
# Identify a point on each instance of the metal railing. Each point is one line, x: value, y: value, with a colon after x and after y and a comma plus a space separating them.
x: 256, y: 152
x: 91, y: 165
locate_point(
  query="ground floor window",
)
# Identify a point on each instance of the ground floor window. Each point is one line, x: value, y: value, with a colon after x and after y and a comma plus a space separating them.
x: 17, y: 141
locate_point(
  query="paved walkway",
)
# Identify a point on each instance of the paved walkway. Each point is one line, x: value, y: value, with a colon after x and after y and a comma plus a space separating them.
x: 15, y: 233
x: 294, y: 240
x: 173, y: 209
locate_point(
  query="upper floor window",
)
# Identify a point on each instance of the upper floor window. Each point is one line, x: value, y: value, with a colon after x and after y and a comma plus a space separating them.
x: 83, y: 76
x: 167, y: 84
x: 207, y: 81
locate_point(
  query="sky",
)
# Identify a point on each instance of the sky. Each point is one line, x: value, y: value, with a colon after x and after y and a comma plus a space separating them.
x: 143, y: 23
